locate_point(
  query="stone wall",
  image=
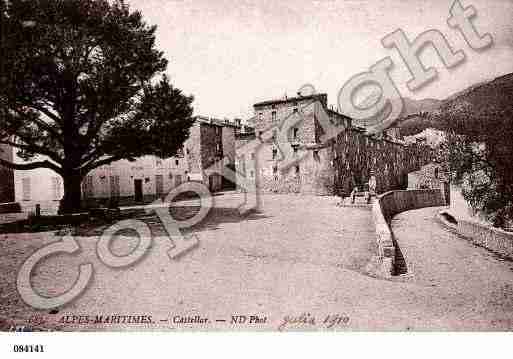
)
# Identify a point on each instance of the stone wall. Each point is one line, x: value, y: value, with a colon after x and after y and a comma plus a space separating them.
x: 388, y: 205
x: 357, y: 154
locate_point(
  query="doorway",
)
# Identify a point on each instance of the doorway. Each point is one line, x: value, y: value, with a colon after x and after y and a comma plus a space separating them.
x: 138, y: 190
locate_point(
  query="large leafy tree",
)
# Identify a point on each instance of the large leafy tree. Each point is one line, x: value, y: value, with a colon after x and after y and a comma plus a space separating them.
x: 81, y: 86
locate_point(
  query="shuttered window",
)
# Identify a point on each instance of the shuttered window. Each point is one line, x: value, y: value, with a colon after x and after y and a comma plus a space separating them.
x: 26, y: 187
x: 87, y: 187
x: 56, y: 188
x: 114, y: 186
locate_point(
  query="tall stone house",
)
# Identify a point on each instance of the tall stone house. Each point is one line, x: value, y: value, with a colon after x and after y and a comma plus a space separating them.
x: 325, y: 166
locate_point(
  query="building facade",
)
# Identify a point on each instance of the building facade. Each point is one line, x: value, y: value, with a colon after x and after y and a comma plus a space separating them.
x: 141, y: 181
x: 208, y: 151
x: 149, y: 178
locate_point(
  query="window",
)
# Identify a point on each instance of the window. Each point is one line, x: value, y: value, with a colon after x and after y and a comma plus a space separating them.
x: 251, y: 174
x: 296, y: 131
x: 436, y: 172
x: 114, y: 186
x: 159, y: 185
x: 177, y: 162
x: 25, y: 184
x: 56, y: 187
x: 275, y: 153
x: 273, y: 116
x: 252, y: 155
x: 316, y: 156
x: 88, y: 187
x: 260, y: 116
x: 297, y: 170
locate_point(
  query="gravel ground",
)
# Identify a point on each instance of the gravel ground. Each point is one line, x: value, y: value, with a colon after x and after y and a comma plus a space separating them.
x: 298, y: 262
x: 282, y: 260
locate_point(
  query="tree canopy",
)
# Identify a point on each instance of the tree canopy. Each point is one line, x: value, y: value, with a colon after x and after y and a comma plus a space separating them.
x: 82, y: 84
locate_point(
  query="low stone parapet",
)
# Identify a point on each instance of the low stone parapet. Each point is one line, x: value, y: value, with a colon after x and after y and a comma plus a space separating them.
x: 388, y: 205
x: 486, y: 236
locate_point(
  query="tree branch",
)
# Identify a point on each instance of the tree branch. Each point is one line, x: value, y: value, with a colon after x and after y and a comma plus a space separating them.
x: 30, y: 166
x: 34, y: 149
x: 92, y: 165
x: 40, y: 123
x: 46, y: 112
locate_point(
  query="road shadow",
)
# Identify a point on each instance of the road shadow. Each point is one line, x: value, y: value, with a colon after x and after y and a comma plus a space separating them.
x: 400, y: 266
x: 214, y: 218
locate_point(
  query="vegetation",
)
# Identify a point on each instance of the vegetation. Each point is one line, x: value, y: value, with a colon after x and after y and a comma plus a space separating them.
x: 479, y: 123
x: 81, y: 86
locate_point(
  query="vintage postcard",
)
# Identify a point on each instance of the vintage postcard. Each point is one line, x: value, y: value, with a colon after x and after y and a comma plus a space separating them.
x: 256, y: 165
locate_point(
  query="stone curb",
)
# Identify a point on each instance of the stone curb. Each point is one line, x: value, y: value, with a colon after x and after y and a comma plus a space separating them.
x: 382, y: 213
x: 386, y: 248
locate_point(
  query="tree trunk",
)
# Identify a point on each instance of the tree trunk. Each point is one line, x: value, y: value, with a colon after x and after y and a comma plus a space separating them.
x: 71, y: 202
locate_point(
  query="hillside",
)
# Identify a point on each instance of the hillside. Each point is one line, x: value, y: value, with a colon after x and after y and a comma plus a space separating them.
x: 483, y: 106
x: 486, y: 100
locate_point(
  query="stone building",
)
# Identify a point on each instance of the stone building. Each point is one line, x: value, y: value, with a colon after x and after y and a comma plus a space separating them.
x: 429, y: 176
x: 149, y: 178
x: 39, y: 186
x: 326, y: 164
x: 142, y: 181
x: 6, y: 176
x: 209, y: 149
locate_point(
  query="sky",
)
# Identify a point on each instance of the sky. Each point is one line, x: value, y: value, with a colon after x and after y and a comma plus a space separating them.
x: 230, y: 54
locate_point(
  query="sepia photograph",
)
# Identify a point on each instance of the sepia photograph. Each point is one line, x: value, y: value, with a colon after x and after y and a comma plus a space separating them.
x: 255, y: 166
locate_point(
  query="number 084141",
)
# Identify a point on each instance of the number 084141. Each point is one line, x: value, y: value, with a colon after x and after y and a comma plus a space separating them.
x: 28, y: 348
